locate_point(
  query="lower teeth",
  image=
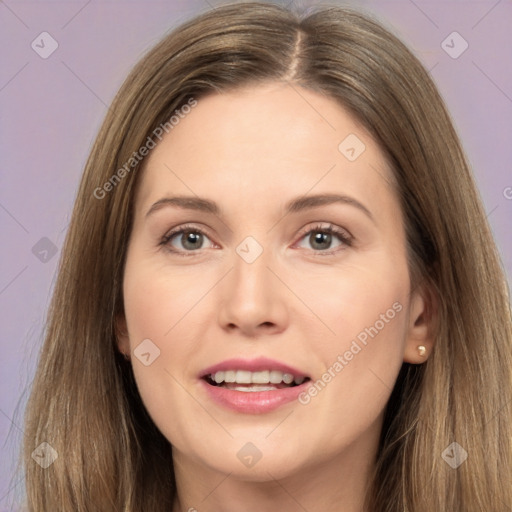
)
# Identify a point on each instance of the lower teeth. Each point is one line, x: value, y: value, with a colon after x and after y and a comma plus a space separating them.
x: 251, y: 388
x: 248, y: 387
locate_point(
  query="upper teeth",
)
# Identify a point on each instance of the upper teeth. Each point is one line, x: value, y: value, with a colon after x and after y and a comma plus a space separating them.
x: 264, y: 377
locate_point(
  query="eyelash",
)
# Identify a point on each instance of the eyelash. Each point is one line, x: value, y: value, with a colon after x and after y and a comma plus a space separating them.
x: 331, y: 229
x: 345, y: 238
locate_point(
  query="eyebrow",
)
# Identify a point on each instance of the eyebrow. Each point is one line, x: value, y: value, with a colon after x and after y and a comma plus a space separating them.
x: 294, y: 206
x: 307, y: 202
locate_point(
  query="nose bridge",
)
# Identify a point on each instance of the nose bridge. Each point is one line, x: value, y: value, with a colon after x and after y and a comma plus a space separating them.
x: 251, y: 295
x: 250, y: 273
x: 250, y: 250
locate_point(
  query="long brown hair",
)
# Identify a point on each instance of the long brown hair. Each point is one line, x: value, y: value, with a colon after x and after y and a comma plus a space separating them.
x: 84, y: 400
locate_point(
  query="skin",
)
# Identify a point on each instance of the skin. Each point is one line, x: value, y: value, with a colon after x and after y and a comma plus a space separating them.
x: 251, y: 151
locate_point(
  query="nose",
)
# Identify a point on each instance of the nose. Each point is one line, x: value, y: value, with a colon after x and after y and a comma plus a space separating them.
x: 252, y: 299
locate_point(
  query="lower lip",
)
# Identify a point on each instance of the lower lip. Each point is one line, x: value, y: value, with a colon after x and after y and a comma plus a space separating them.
x: 253, y: 402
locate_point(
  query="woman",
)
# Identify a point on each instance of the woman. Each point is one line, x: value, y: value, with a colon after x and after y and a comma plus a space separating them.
x: 278, y: 290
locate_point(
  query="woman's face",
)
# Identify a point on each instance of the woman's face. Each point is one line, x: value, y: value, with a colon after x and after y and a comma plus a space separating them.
x: 268, y: 245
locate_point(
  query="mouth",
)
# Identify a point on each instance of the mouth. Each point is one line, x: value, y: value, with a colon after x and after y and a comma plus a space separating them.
x: 247, y: 381
x: 253, y: 387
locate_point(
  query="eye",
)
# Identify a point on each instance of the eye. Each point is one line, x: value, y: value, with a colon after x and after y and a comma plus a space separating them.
x: 190, y: 239
x: 321, y: 239
x: 185, y: 239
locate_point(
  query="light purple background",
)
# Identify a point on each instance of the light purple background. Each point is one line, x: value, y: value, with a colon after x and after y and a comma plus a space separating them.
x: 51, y: 110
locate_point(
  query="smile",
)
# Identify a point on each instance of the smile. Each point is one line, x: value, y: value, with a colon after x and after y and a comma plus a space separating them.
x: 244, y: 380
x: 253, y: 387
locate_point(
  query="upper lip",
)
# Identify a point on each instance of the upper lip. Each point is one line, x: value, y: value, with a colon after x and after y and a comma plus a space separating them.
x: 252, y: 365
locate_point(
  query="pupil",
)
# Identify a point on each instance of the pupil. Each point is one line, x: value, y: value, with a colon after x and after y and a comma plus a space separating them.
x: 321, y: 238
x: 191, y: 240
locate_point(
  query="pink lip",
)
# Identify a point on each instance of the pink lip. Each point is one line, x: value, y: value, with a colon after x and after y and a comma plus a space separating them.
x: 253, y: 365
x: 252, y: 402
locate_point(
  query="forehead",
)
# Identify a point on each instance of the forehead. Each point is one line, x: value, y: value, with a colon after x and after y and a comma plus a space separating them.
x: 265, y: 140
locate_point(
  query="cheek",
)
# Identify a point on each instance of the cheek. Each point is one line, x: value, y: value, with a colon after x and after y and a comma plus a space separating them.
x: 359, y: 302
x: 367, y: 310
x: 159, y: 309
x: 370, y: 309
x: 157, y: 301
x: 172, y: 309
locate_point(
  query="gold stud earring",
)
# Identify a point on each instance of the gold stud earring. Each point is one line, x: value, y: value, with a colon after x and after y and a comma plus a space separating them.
x: 422, y: 350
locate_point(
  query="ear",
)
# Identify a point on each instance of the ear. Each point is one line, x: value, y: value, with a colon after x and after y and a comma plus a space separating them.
x: 423, y: 316
x: 122, y: 338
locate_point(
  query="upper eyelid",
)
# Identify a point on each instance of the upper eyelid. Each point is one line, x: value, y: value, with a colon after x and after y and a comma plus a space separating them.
x: 328, y: 227
x: 188, y: 226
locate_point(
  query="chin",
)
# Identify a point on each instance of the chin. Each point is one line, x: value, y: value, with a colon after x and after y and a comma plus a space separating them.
x: 250, y: 461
